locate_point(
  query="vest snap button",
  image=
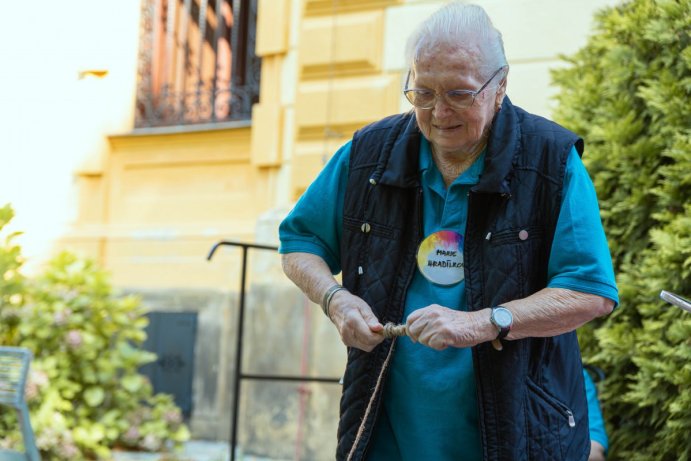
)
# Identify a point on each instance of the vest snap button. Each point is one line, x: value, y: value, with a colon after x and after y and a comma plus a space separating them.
x: 373, y: 181
x: 365, y: 228
x: 523, y: 234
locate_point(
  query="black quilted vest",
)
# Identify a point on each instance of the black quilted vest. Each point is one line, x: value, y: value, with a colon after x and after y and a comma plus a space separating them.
x: 530, y: 395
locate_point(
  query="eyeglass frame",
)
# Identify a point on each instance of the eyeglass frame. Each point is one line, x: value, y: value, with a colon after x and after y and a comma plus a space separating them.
x: 474, y: 94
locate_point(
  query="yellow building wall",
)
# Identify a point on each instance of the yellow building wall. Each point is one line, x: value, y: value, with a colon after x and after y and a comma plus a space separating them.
x: 341, y: 81
x: 163, y: 197
x: 162, y: 201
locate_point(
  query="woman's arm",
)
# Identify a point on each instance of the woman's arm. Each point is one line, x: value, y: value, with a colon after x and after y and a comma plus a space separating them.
x: 353, y: 317
x: 549, y: 312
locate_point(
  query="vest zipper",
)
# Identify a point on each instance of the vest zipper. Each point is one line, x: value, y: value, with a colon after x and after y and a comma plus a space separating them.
x: 572, y: 420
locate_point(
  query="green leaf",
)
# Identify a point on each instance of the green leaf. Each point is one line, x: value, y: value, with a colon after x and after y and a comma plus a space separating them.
x: 94, y: 396
x: 132, y: 383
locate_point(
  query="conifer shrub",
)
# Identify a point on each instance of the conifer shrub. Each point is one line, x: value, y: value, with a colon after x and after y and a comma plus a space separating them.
x: 628, y: 93
x: 85, y: 393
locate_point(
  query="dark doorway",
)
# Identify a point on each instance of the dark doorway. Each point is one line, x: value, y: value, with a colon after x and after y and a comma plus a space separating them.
x: 172, y: 336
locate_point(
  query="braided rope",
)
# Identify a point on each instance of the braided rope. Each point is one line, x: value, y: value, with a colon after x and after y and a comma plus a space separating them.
x: 391, y: 330
x: 370, y: 405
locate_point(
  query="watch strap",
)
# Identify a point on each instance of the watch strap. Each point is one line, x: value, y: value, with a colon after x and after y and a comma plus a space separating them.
x: 503, y: 332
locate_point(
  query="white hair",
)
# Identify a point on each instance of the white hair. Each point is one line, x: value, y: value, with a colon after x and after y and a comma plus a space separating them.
x: 458, y: 23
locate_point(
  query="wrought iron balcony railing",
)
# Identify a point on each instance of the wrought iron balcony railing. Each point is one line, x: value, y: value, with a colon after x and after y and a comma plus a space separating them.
x: 197, y: 62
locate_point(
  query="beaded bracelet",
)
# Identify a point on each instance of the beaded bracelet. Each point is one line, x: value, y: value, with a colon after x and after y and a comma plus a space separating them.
x: 326, y: 300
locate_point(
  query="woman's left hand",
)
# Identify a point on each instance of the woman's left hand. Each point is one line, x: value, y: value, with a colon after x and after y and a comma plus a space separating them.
x: 440, y: 327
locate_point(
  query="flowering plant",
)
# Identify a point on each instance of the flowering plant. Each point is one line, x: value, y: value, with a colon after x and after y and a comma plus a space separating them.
x: 85, y: 392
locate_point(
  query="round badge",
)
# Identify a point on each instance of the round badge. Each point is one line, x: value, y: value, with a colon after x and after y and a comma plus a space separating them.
x: 440, y: 257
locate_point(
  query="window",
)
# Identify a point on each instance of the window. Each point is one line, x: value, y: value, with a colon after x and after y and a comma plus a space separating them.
x: 197, y: 62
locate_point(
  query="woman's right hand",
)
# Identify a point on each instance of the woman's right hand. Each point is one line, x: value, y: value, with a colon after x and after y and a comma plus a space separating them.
x: 355, y: 321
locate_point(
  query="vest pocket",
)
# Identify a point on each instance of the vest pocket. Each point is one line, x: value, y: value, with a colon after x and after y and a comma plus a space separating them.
x: 516, y: 235
x: 369, y: 227
x: 515, y: 262
x: 550, y: 422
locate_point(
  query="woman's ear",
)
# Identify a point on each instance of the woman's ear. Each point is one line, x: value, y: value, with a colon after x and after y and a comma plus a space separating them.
x: 501, y: 89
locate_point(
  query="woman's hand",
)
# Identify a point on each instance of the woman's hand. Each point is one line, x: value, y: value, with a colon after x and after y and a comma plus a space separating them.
x: 355, y: 321
x: 353, y: 317
x: 440, y: 327
x: 597, y: 451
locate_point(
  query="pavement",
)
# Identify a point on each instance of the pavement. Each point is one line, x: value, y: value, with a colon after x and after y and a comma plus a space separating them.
x: 194, y: 450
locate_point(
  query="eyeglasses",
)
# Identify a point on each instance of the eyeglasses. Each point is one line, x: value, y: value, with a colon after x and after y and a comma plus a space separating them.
x: 457, y: 99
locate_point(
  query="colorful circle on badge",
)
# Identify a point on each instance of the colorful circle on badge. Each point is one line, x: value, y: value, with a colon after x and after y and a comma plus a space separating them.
x: 440, y: 257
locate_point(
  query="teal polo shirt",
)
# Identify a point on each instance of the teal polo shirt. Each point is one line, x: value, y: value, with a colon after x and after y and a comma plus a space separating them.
x: 429, y: 408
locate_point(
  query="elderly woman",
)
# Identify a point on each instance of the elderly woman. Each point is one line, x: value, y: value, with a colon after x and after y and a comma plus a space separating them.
x: 475, y: 226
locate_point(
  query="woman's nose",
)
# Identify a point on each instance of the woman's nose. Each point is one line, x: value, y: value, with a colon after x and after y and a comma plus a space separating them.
x: 440, y: 104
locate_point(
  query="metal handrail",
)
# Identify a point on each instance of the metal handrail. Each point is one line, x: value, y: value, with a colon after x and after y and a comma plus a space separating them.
x: 238, y: 374
x: 676, y: 300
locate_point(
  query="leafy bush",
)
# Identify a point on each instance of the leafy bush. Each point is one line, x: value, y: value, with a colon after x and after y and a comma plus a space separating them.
x: 11, y: 281
x: 627, y: 93
x: 85, y: 392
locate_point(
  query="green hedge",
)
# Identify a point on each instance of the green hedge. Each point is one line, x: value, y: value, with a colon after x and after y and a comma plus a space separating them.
x: 85, y: 393
x: 628, y: 93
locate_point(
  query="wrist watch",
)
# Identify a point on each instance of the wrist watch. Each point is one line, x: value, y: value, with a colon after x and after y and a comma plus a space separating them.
x: 502, y: 318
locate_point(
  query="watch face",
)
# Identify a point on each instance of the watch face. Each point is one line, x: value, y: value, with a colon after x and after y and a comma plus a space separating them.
x: 503, y: 317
